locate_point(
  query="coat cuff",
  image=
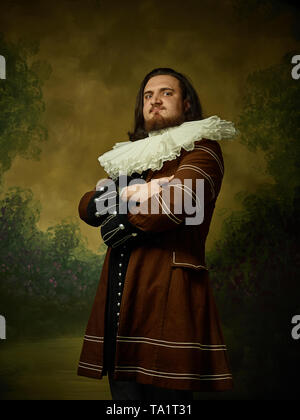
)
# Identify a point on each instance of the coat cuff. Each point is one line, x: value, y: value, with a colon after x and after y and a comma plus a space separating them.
x: 116, y: 230
x: 95, y: 218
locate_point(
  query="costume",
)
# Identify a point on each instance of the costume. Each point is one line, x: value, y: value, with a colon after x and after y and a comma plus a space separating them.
x: 168, y: 332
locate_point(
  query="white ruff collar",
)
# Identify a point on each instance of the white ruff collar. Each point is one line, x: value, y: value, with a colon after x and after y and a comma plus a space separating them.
x: 151, y: 152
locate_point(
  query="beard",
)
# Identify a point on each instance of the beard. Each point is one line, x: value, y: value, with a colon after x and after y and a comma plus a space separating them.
x: 160, y: 122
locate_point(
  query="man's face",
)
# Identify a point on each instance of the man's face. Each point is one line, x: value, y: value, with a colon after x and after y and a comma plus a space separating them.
x: 163, y: 104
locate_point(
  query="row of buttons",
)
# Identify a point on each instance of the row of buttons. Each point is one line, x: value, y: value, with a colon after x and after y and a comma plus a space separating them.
x: 120, y: 285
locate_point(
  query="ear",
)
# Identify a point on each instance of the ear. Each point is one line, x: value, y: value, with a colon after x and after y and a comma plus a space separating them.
x: 186, y: 105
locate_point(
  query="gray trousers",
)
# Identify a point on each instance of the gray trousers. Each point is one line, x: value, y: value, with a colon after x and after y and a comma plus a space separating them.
x: 131, y: 390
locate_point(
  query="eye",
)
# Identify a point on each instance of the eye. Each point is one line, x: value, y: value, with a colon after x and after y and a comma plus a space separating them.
x: 147, y: 96
x: 168, y: 93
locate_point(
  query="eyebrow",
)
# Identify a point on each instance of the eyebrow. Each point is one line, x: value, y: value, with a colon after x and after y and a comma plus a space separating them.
x: 161, y: 90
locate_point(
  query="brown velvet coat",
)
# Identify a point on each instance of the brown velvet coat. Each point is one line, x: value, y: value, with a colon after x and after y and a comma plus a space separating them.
x: 169, y: 332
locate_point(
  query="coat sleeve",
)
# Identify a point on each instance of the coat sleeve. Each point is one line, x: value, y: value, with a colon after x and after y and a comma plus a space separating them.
x: 87, y: 206
x: 204, y: 162
x: 114, y: 225
x: 116, y: 230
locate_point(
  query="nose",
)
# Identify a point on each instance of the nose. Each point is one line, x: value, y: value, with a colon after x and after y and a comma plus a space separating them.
x: 155, y: 99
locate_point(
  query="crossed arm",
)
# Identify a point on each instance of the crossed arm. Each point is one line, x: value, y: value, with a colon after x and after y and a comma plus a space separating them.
x: 204, y: 163
x: 115, y: 227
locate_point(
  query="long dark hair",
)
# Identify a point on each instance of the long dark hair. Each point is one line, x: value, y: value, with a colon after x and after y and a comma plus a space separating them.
x: 188, y: 92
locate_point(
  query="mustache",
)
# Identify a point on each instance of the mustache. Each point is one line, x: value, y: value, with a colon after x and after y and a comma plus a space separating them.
x: 158, y: 107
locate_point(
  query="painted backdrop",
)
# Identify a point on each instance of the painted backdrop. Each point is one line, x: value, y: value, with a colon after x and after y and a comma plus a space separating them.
x: 69, y: 75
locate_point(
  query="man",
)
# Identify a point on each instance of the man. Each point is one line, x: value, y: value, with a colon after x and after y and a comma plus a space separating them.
x: 154, y: 326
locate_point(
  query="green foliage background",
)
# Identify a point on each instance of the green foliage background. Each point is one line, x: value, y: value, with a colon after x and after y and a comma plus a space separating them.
x: 256, y: 260
x: 21, y: 104
x: 49, y: 279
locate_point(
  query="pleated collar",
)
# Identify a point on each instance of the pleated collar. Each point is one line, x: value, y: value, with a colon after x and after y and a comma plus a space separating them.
x: 151, y: 152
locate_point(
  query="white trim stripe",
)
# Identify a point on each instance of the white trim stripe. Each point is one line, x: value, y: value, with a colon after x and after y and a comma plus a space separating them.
x: 108, y: 219
x: 96, y: 341
x: 94, y: 338
x: 173, y: 375
x: 89, y: 368
x: 107, y: 208
x: 213, y: 154
x: 120, y: 241
x: 104, y: 196
x: 203, y: 173
x: 192, y: 194
x: 174, y: 347
x: 90, y: 364
x: 192, y: 265
x: 112, y: 232
x: 158, y: 198
x: 176, y: 218
x: 172, y: 343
